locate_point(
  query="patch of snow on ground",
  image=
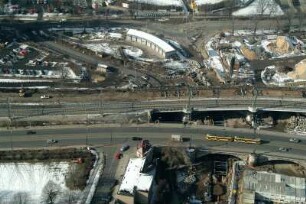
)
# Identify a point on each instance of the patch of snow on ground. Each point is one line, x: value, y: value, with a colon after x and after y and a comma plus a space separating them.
x: 29, y: 180
x: 101, y: 47
x: 21, y: 80
x: 115, y: 35
x: 265, y: 44
x: 270, y: 76
x: 202, y: 2
x: 269, y: 7
x: 132, y: 51
x: 160, y: 2
x: 236, y: 44
x: 177, y: 65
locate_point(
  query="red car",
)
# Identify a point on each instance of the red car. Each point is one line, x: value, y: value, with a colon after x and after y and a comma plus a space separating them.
x: 118, y: 155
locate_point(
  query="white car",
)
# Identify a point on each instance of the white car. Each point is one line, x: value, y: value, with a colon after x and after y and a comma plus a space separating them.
x: 52, y: 141
x: 45, y: 97
x: 283, y: 149
x: 295, y: 140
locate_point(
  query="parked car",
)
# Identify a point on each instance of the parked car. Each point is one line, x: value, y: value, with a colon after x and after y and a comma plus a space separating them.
x: 31, y: 132
x: 295, y: 140
x: 124, y: 148
x: 52, y: 141
x: 283, y: 149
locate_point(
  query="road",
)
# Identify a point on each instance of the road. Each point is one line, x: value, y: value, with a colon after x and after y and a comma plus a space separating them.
x: 107, y: 107
x: 110, y: 139
x: 158, y: 135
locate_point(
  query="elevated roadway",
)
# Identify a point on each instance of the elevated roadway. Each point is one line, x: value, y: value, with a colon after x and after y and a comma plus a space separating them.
x: 113, y: 107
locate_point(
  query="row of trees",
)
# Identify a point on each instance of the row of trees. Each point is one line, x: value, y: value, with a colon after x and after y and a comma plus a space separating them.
x: 51, y: 194
x: 270, y: 9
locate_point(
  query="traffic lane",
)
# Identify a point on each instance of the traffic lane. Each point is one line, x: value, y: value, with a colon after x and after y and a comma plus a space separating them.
x: 265, y: 149
x: 176, y: 130
x: 62, y: 140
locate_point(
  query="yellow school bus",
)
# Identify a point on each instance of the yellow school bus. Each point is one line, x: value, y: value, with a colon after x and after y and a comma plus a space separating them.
x: 247, y: 140
x: 219, y: 138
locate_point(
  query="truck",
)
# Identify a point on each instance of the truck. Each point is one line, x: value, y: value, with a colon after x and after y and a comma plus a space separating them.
x: 177, y: 138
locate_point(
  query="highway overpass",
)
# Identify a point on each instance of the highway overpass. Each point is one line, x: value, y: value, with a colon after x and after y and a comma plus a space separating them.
x: 293, y: 105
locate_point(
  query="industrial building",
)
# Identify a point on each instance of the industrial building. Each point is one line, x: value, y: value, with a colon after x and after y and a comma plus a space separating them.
x: 260, y: 186
x: 155, y: 43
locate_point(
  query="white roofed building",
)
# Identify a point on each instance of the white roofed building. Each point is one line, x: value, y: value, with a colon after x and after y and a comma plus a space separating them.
x: 136, y: 185
x: 260, y: 186
x: 155, y: 43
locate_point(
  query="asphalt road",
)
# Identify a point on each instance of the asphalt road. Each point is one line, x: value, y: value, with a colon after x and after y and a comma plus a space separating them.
x: 158, y: 135
x: 110, y: 139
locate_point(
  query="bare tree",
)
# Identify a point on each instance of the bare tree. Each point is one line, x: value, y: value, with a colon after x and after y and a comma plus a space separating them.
x: 69, y: 197
x: 289, y: 16
x: 20, y: 198
x: 301, y: 16
x: 264, y: 8
x: 230, y: 5
x: 50, y: 193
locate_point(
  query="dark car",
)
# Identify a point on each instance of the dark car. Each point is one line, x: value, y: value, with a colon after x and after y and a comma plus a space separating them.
x: 31, y: 132
x: 136, y: 138
x: 124, y: 148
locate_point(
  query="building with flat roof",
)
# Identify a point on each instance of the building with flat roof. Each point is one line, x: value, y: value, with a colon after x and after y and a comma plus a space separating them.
x: 155, y: 43
x: 137, y: 182
x: 260, y: 186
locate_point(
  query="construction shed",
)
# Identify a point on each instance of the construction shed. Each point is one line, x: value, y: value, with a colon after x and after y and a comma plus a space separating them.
x: 155, y: 43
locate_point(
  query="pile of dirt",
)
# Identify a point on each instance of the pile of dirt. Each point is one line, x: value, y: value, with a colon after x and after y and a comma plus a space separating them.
x: 97, y: 78
x: 249, y: 54
x: 299, y: 71
x: 283, y: 45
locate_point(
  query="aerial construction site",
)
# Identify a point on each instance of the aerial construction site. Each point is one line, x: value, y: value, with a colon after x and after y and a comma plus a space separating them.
x: 136, y: 101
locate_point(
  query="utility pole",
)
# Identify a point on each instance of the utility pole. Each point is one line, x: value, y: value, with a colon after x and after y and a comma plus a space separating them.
x: 111, y: 136
x: 87, y: 135
x: 11, y: 133
x: 254, y: 110
x: 10, y: 121
x: 8, y: 108
x: 187, y: 116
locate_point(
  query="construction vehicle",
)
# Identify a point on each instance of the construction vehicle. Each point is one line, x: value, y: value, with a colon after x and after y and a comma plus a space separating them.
x: 21, y: 92
x: 24, y: 93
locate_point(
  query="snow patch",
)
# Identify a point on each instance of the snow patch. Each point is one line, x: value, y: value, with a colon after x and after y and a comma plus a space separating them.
x: 30, y: 179
x: 133, y: 51
x: 160, y: 2
x: 260, y: 7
